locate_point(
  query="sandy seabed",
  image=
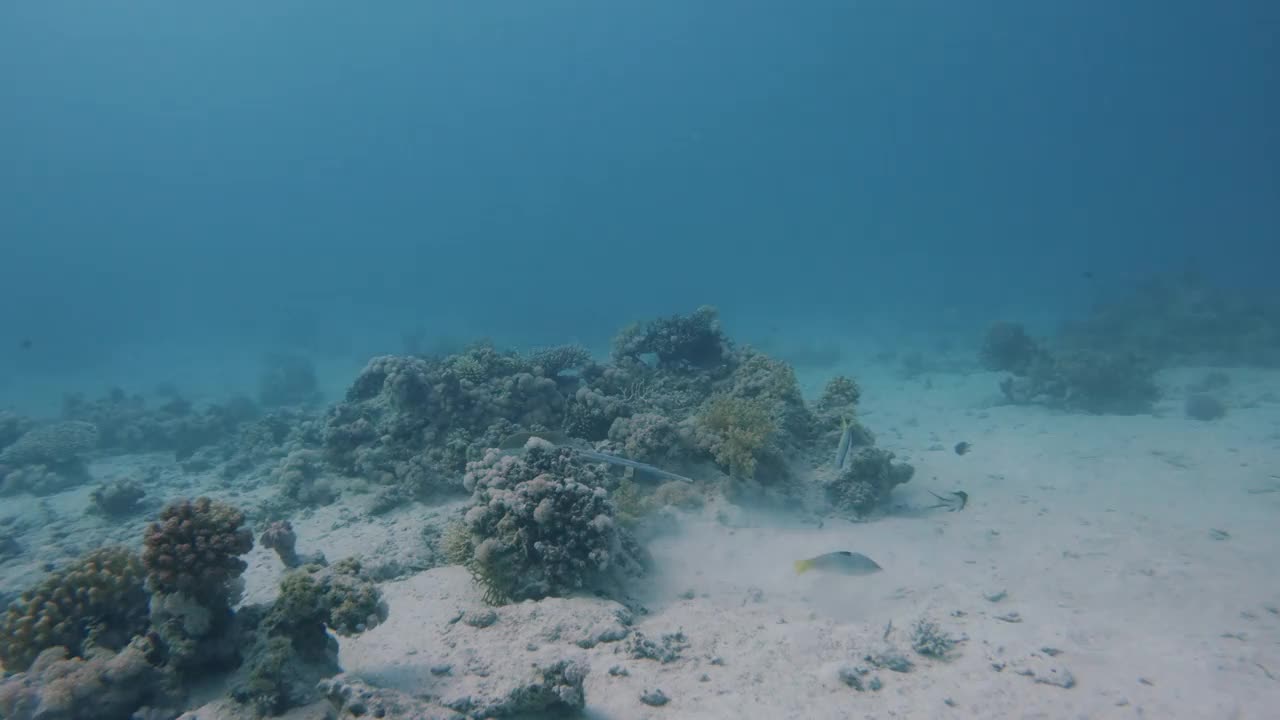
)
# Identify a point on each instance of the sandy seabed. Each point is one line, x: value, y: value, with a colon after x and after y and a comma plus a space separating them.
x: 1105, y: 567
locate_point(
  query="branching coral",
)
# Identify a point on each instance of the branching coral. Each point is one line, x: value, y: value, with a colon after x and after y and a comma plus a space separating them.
x: 126, y: 423
x: 542, y: 525
x: 1008, y: 348
x: 839, y: 398
x: 1090, y: 380
x: 648, y: 437
x: 689, y: 340
x: 416, y: 423
x: 930, y: 640
x: 869, y: 475
x: 118, y: 498
x: 735, y: 430
x: 299, y: 477
x: 550, y: 362
x: 280, y: 537
x: 773, y: 384
x: 291, y: 650
x: 1087, y: 380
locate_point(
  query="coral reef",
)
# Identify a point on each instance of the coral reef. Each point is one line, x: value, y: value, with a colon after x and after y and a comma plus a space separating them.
x: 1008, y: 348
x: 417, y: 422
x: 735, y: 431
x: 299, y: 477
x: 118, y: 498
x: 869, y: 475
x: 1183, y: 319
x: 542, y: 525
x: 125, y: 423
x: 648, y: 437
x: 280, y: 537
x: 90, y: 640
x: 195, y: 550
x: 192, y: 558
x: 102, y: 684
x: 97, y: 600
x: 1093, y: 381
x: 291, y: 649
x: 676, y: 341
x: 56, y: 444
x: 47, y: 458
x: 554, y: 361
x: 354, y: 699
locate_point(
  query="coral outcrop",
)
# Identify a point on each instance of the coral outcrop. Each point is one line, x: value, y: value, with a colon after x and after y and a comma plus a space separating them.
x: 47, y: 458
x: 195, y: 549
x: 869, y: 475
x: 542, y: 525
x: 97, y: 600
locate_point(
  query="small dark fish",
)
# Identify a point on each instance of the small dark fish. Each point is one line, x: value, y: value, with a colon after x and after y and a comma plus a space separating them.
x: 963, y: 447
x: 25, y: 344
x: 842, y: 562
x: 1087, y: 274
x: 953, y: 501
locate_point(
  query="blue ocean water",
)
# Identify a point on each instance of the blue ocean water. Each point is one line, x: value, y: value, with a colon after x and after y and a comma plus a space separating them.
x: 1010, y: 267
x: 331, y: 178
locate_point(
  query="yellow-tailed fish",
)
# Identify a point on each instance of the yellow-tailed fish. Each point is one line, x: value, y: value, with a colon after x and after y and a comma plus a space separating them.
x: 841, y: 562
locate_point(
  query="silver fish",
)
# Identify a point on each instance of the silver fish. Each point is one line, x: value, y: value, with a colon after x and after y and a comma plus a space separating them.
x: 615, y: 460
x: 846, y: 439
x: 518, y: 441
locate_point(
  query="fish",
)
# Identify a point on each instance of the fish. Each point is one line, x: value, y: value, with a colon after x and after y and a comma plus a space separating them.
x: 25, y: 344
x: 953, y: 501
x: 518, y: 441
x: 846, y: 439
x: 963, y: 447
x: 626, y: 462
x: 841, y: 562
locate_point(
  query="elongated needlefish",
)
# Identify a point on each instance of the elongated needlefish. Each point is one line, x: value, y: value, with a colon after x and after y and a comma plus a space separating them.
x: 518, y: 441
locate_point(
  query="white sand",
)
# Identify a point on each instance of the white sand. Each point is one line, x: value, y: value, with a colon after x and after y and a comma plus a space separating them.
x: 1098, y: 529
